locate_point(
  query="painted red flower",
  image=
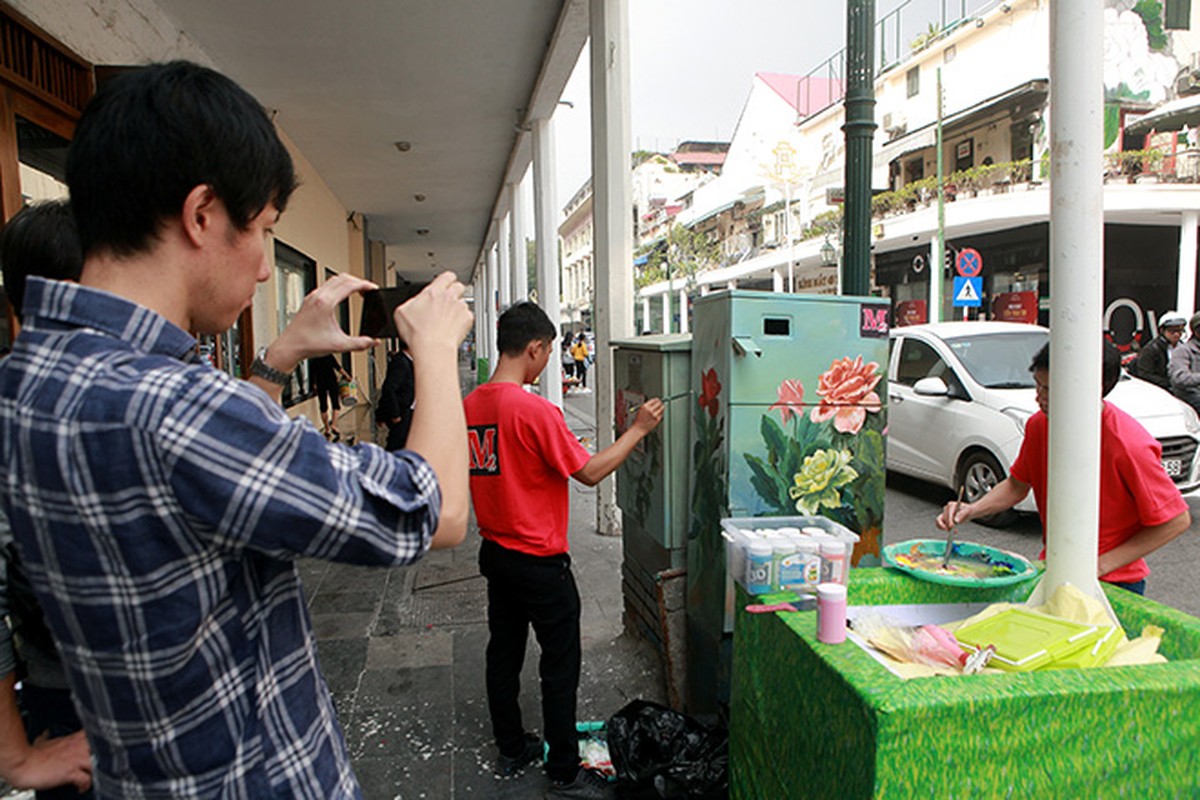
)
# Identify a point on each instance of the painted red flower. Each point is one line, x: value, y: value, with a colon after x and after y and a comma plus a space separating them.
x: 791, y: 399
x: 847, y: 391
x: 710, y: 392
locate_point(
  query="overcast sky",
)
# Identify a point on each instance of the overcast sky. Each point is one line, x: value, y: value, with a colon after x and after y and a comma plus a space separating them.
x: 691, y: 65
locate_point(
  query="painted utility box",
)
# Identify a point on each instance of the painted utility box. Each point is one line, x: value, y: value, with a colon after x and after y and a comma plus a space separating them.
x: 652, y: 492
x: 788, y: 418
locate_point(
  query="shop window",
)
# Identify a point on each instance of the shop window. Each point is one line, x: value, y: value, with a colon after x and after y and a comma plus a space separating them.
x: 913, y: 80
x: 296, y: 276
x: 1177, y: 15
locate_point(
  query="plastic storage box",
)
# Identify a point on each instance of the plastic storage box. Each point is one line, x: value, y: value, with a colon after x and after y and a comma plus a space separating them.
x: 740, y: 532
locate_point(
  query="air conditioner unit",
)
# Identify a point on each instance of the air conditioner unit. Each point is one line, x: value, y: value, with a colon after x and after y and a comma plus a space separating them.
x: 894, y: 124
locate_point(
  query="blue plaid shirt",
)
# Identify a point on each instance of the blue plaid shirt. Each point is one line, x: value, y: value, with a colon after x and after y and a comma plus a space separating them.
x: 158, y: 505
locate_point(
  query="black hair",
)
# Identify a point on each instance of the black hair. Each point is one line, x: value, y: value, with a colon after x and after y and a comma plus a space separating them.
x: 39, y: 240
x: 1041, y: 359
x: 1110, y: 371
x: 1194, y: 323
x: 521, y: 324
x: 152, y: 135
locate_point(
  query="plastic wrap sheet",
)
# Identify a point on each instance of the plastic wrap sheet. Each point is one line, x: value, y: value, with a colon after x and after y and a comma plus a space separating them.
x: 827, y: 721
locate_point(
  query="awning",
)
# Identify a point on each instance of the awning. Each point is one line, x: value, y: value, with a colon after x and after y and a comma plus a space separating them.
x: 909, y: 143
x: 1170, y: 116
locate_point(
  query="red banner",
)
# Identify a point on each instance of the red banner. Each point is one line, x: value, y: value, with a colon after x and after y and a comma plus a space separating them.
x: 911, y: 312
x: 1016, y: 307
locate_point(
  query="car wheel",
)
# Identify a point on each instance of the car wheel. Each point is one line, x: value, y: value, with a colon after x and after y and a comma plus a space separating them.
x: 980, y: 472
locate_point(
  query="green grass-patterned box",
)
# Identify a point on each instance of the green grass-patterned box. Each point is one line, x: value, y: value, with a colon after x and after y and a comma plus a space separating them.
x: 810, y: 720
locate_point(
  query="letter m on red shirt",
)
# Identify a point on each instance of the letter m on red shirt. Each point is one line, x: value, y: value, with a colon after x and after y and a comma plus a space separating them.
x: 484, y: 443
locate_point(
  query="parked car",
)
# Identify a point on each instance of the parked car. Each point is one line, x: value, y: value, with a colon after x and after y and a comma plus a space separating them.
x: 959, y: 394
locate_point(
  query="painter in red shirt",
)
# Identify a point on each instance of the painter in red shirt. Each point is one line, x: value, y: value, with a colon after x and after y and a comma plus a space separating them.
x: 1140, y: 507
x: 522, y: 457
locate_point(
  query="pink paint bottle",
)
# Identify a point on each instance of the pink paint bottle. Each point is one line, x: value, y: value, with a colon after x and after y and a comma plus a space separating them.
x: 831, y: 613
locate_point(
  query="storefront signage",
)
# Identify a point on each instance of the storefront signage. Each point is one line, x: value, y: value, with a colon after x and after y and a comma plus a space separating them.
x: 911, y: 312
x: 1016, y: 307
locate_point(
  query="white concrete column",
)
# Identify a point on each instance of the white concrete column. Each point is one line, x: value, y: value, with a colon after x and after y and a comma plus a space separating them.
x: 645, y: 314
x: 683, y: 311
x: 490, y: 300
x: 776, y: 280
x: 666, y: 312
x: 1076, y: 296
x: 477, y: 293
x: 519, y: 277
x: 937, y: 261
x: 504, y: 276
x: 1185, y: 302
x: 731, y: 284
x: 545, y: 206
x: 612, y: 215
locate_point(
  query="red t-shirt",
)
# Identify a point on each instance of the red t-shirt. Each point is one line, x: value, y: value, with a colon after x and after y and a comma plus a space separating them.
x: 1135, y: 490
x: 522, y: 456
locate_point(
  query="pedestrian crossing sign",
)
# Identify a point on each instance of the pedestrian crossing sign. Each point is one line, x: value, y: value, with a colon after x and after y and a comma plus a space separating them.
x: 968, y: 292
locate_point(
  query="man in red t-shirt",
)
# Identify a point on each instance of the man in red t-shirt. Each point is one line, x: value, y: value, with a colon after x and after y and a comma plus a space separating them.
x: 1140, y: 507
x: 522, y: 455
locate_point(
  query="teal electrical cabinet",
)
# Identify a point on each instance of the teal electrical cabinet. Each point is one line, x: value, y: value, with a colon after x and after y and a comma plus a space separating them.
x: 652, y: 488
x: 789, y: 413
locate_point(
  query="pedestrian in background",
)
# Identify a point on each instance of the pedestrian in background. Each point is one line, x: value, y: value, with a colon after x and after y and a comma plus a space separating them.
x: 1184, y: 367
x: 579, y: 352
x: 396, y: 398
x: 1151, y: 363
x: 325, y: 373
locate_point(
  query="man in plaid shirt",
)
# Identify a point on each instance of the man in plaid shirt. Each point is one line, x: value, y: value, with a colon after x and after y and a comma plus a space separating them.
x: 159, y: 504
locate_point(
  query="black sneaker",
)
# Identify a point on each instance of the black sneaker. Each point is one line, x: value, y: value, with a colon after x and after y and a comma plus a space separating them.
x: 507, y: 766
x: 588, y: 785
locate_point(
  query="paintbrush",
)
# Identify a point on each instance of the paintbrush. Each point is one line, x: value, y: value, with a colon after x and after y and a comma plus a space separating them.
x: 953, y: 525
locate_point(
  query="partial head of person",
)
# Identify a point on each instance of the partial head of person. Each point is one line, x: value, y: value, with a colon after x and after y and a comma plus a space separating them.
x: 1194, y: 324
x: 179, y: 148
x: 525, y: 332
x: 39, y: 240
x: 1110, y: 372
x: 1172, y: 325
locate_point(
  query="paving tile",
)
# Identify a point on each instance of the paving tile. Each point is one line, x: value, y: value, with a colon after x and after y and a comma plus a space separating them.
x: 342, y: 626
x: 342, y: 662
x: 333, y: 602
x: 411, y: 649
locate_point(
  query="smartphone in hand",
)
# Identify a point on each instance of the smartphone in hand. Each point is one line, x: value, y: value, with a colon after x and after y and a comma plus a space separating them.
x: 378, y: 318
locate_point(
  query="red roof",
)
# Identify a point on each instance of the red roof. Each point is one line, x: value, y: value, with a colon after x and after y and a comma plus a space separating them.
x: 698, y: 158
x: 806, y: 94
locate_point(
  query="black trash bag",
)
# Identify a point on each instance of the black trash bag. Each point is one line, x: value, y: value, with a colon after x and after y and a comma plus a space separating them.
x: 660, y: 753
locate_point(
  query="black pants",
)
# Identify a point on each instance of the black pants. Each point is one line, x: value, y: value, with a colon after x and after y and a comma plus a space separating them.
x: 525, y: 590
x: 581, y: 372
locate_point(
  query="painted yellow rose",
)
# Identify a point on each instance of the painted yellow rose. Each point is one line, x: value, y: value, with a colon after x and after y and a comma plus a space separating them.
x: 819, y: 479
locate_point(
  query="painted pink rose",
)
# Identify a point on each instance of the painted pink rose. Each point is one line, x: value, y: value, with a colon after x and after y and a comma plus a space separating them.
x: 847, y: 391
x: 791, y: 400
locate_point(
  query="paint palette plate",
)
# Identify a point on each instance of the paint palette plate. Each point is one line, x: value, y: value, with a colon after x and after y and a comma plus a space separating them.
x: 971, y: 564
